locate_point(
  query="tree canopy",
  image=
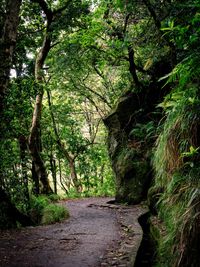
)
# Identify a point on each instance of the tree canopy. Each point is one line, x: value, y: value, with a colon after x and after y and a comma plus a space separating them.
x: 102, y: 98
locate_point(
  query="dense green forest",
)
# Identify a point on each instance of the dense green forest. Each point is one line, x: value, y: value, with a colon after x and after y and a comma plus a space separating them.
x: 101, y: 98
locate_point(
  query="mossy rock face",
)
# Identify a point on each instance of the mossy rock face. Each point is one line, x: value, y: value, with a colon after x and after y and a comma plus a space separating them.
x: 130, y: 163
x: 131, y: 176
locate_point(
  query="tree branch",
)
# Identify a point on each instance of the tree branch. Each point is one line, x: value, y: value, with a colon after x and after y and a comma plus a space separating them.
x: 153, y: 14
x: 58, y: 141
x: 132, y: 67
x: 98, y: 95
x: 98, y: 109
x: 59, y: 10
x: 126, y: 23
x: 44, y: 6
x: 158, y: 26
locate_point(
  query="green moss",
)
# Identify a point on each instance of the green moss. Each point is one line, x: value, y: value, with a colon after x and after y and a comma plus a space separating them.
x: 131, y: 134
x: 132, y: 170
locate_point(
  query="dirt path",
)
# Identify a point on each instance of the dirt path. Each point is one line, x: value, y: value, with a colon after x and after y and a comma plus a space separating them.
x: 97, y: 234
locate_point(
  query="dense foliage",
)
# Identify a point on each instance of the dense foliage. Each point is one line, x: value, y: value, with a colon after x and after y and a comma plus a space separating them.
x: 176, y: 157
x: 82, y: 70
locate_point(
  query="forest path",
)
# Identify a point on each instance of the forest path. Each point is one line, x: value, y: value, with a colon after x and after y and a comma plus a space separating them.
x: 96, y: 234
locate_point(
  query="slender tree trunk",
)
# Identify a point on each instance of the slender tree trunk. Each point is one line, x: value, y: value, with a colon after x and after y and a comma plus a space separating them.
x: 35, y: 137
x: 73, y: 175
x: 158, y: 25
x: 36, y: 182
x: 102, y: 174
x: 69, y: 158
x: 132, y: 67
x: 53, y: 171
x: 23, y: 149
x: 60, y: 175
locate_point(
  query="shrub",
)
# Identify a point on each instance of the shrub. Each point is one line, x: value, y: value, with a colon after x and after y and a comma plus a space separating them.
x: 42, y: 211
x: 37, y: 205
x: 54, y: 197
x: 54, y: 213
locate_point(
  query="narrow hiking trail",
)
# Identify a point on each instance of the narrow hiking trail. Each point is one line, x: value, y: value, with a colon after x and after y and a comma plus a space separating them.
x: 96, y: 234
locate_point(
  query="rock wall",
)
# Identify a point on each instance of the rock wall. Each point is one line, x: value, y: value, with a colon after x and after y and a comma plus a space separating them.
x: 130, y: 162
x: 130, y: 153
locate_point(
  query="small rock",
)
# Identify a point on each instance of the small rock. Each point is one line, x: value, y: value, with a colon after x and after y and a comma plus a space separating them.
x: 104, y: 264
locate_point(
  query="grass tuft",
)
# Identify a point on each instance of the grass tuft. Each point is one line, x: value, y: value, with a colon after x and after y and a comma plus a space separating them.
x: 54, y: 213
x: 177, y: 170
x: 43, y: 211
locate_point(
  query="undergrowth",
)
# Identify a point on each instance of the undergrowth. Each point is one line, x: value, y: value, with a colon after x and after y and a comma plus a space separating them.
x: 53, y: 213
x: 176, y: 164
x: 43, y: 211
x: 106, y: 189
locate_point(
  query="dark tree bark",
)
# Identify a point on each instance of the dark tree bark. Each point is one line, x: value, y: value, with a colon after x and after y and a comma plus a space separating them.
x: 132, y: 67
x: 157, y: 22
x: 36, y: 182
x: 35, y: 137
x: 53, y: 171
x: 12, y: 214
x: 7, y: 45
x: 153, y: 13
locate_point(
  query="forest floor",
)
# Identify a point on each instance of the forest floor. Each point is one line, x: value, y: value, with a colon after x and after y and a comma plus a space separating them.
x: 96, y: 234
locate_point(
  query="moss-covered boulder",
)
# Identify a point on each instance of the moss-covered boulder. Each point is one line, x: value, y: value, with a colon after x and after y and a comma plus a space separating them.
x: 132, y: 176
x: 129, y: 156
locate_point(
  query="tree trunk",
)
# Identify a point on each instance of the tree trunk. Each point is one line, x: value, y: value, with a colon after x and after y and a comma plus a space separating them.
x: 7, y: 45
x: 132, y: 67
x: 10, y: 213
x: 102, y: 174
x: 35, y: 137
x: 70, y: 158
x: 36, y: 182
x: 23, y: 147
x: 53, y: 171
x: 60, y: 175
x: 73, y: 175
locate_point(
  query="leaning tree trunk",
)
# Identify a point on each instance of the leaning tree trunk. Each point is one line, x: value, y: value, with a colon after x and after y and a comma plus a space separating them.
x: 60, y: 176
x: 35, y: 137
